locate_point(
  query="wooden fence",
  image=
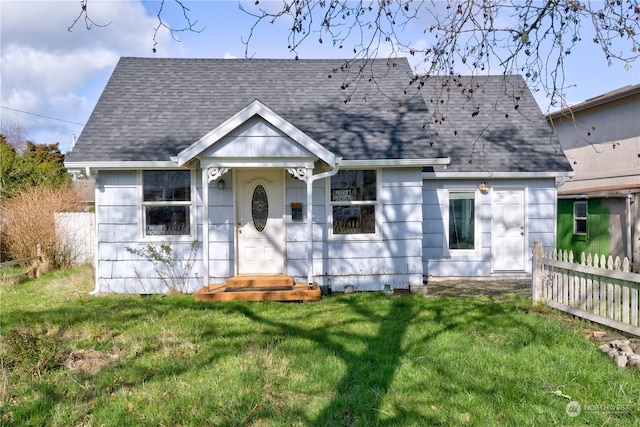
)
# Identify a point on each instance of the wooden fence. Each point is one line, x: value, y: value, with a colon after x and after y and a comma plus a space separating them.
x: 596, y: 288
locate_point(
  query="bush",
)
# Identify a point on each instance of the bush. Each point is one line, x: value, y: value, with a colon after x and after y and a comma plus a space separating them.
x: 174, y: 270
x: 28, y: 223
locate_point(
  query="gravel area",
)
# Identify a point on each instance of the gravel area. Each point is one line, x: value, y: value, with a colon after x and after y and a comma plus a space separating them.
x: 475, y: 288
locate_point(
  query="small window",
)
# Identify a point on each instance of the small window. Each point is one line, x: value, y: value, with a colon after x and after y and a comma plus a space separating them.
x: 353, y: 200
x: 259, y: 208
x: 166, y: 202
x: 580, y: 218
x: 462, y: 220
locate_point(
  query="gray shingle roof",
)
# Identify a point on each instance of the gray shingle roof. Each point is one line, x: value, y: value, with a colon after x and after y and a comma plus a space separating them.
x: 152, y: 108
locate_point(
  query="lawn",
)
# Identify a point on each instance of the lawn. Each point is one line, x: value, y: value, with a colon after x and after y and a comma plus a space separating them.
x: 70, y: 359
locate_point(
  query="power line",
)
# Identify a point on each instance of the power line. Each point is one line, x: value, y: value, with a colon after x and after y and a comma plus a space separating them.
x: 40, y: 115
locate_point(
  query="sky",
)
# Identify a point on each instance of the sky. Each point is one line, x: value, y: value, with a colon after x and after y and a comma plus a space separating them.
x: 51, y: 78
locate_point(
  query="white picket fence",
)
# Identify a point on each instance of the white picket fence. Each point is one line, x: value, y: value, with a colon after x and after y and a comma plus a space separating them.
x: 597, y: 288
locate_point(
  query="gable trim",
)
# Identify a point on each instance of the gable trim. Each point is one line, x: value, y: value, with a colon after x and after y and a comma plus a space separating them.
x: 255, y: 108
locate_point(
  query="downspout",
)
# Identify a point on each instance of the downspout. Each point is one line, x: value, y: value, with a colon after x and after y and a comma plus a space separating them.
x: 96, y: 290
x: 629, y: 245
x: 310, y: 182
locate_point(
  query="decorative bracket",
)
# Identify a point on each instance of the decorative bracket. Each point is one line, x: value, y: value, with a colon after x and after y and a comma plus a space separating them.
x: 303, y: 174
x: 214, y: 173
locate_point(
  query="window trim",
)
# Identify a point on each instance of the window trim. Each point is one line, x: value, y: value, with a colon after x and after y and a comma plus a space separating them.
x: 477, y: 231
x: 377, y: 206
x: 191, y: 204
x: 585, y: 218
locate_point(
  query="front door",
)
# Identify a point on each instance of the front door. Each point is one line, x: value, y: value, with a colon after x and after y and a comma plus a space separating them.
x: 260, y: 221
x: 508, y: 246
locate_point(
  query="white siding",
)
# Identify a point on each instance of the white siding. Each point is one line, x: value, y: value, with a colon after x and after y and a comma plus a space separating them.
x: 118, y: 213
x: 410, y: 239
x: 540, y: 225
x: 221, y: 232
x: 395, y: 258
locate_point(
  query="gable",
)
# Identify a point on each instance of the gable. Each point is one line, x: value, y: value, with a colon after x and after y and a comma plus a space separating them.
x: 256, y: 131
x: 256, y: 138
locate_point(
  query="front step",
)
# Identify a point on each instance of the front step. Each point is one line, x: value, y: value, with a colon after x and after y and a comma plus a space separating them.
x: 259, y: 281
x: 259, y: 288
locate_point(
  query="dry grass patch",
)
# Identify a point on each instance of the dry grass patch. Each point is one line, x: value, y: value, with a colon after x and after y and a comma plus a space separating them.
x: 89, y: 361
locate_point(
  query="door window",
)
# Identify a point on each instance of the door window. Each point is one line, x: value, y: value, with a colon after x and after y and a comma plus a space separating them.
x: 259, y: 208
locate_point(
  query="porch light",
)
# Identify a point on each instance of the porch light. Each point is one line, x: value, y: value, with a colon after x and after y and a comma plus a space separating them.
x: 221, y: 184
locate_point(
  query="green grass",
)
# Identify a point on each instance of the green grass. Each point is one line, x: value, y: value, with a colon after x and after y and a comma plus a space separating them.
x: 358, y: 359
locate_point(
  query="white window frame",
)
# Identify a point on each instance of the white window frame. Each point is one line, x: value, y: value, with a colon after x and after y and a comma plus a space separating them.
x: 377, y: 206
x: 584, y: 218
x: 477, y: 229
x: 142, y: 220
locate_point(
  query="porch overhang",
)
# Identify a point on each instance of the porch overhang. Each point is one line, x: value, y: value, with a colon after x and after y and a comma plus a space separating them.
x: 256, y: 108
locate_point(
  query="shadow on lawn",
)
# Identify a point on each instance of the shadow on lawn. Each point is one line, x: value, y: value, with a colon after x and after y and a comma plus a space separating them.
x: 371, y: 360
x: 369, y: 373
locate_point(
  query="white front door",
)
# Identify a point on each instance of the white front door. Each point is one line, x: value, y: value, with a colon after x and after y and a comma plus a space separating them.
x: 508, y: 234
x: 260, y: 221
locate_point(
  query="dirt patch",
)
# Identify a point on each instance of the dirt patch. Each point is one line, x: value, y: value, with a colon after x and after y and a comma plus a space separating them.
x: 89, y: 361
x: 471, y: 288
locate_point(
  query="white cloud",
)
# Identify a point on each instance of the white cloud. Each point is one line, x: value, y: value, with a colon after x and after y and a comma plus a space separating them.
x: 49, y: 71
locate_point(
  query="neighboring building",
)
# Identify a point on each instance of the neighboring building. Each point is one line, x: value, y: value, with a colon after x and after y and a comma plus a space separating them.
x: 599, y: 208
x: 340, y: 174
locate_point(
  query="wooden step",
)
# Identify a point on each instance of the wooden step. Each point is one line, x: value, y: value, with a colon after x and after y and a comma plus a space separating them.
x: 265, y: 292
x: 268, y: 281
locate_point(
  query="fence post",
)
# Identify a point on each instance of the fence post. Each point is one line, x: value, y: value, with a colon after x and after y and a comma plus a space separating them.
x: 536, y: 279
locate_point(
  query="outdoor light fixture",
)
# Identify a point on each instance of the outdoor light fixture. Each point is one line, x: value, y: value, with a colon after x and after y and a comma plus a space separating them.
x: 483, y: 187
x: 221, y: 184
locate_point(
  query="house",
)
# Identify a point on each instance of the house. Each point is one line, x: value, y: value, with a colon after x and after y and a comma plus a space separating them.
x: 341, y: 174
x: 599, y: 208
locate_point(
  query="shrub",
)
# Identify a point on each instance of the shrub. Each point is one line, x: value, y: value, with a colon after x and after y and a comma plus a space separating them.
x: 173, y: 269
x: 28, y: 223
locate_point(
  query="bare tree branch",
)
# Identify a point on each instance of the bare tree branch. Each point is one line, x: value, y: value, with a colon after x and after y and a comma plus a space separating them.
x: 528, y: 37
x: 476, y: 37
x: 84, y: 15
x: 189, y: 26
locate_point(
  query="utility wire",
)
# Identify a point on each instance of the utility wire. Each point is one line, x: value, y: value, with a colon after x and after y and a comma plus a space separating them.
x: 40, y: 115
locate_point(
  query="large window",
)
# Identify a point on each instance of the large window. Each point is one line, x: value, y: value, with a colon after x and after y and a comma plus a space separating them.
x: 462, y: 220
x: 166, y: 202
x: 580, y: 218
x: 353, y: 201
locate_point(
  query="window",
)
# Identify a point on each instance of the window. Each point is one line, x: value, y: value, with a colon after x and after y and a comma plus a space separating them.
x: 462, y: 220
x: 580, y: 218
x: 353, y: 201
x: 166, y: 202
